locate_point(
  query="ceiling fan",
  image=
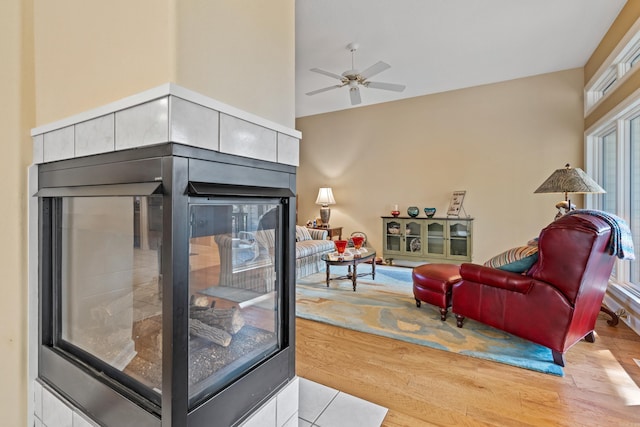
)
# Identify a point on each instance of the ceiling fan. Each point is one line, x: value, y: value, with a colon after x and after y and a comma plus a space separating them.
x: 353, y: 78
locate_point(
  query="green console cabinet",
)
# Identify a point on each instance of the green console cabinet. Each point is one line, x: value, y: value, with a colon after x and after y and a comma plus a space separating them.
x: 446, y: 240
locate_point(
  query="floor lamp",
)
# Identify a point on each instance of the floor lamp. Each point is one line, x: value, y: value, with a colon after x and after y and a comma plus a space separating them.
x: 569, y: 180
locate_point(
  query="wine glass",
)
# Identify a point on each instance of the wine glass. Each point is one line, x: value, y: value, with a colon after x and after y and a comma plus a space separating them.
x: 341, y: 245
x: 357, y: 243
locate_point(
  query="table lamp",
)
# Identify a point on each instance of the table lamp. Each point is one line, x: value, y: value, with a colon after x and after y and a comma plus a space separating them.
x: 569, y: 180
x: 325, y: 198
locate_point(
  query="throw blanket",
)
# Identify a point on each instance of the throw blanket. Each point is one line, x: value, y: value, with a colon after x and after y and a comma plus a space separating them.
x: 621, y: 243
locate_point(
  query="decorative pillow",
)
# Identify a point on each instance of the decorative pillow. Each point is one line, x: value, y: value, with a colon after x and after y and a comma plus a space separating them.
x: 302, y: 234
x: 516, y: 260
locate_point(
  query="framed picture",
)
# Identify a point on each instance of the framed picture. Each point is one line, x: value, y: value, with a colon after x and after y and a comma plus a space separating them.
x: 456, y: 202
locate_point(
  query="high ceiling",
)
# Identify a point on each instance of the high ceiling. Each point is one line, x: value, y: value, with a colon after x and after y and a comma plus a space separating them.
x: 440, y: 45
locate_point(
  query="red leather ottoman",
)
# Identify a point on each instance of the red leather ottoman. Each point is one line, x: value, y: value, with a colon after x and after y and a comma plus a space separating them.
x: 432, y: 284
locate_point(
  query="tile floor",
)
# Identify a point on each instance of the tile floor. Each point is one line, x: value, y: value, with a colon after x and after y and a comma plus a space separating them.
x: 322, y: 406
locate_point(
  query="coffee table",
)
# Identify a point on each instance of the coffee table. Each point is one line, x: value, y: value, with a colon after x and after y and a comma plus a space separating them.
x: 352, y: 265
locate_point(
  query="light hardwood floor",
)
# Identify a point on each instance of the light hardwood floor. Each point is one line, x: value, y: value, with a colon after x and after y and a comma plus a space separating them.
x: 427, y: 387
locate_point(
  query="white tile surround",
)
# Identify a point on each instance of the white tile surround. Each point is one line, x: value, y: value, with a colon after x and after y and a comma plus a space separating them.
x: 319, y: 406
x: 167, y: 113
x: 52, y: 410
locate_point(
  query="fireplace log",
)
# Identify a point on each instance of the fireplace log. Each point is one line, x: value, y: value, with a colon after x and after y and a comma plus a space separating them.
x: 229, y: 320
x: 201, y: 303
x: 215, y: 335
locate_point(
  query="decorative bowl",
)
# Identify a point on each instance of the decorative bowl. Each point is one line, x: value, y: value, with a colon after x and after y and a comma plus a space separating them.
x: 413, y: 211
x: 429, y: 212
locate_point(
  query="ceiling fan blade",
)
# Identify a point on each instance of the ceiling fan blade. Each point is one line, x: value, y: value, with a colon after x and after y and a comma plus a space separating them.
x: 376, y: 68
x: 354, y: 93
x: 313, y: 92
x: 326, y: 73
x: 385, y: 86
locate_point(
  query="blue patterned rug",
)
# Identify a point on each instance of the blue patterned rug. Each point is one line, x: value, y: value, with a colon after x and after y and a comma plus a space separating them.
x: 386, y: 306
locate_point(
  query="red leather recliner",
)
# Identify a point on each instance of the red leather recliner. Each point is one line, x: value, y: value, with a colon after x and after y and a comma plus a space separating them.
x: 556, y: 303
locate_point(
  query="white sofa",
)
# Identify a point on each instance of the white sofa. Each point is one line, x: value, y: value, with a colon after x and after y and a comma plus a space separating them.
x: 310, y: 246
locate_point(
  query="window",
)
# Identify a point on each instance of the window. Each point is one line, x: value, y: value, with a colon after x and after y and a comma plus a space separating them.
x: 625, y: 58
x: 634, y: 192
x: 635, y: 59
x: 602, y: 86
x: 608, y: 176
x: 609, y: 86
x: 614, y: 154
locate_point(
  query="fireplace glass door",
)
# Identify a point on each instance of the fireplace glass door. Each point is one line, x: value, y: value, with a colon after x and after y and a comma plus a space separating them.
x: 234, y: 251
x: 110, y: 286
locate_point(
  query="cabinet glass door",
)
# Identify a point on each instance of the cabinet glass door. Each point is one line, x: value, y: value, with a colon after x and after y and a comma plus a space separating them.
x: 458, y: 239
x: 436, y: 239
x: 413, y: 237
x: 393, y: 236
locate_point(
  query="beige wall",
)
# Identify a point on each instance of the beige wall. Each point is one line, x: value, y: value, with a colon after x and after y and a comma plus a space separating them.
x: 498, y: 142
x: 92, y: 53
x: 16, y: 118
x: 241, y: 53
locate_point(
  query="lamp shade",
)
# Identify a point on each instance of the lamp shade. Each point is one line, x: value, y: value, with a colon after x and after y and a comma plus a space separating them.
x: 569, y: 180
x: 325, y: 197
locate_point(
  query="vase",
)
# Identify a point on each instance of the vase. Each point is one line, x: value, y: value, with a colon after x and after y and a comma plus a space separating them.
x: 395, y: 213
x: 357, y: 244
x: 413, y: 211
x: 341, y: 245
x: 429, y: 212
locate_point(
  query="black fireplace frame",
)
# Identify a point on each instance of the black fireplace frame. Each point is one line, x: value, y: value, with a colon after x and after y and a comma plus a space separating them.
x: 179, y: 173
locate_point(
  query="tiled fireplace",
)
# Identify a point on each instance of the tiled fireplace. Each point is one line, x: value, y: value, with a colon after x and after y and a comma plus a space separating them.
x: 161, y: 259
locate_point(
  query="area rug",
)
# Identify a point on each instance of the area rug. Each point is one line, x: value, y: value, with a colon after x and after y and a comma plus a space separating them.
x: 386, y: 306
